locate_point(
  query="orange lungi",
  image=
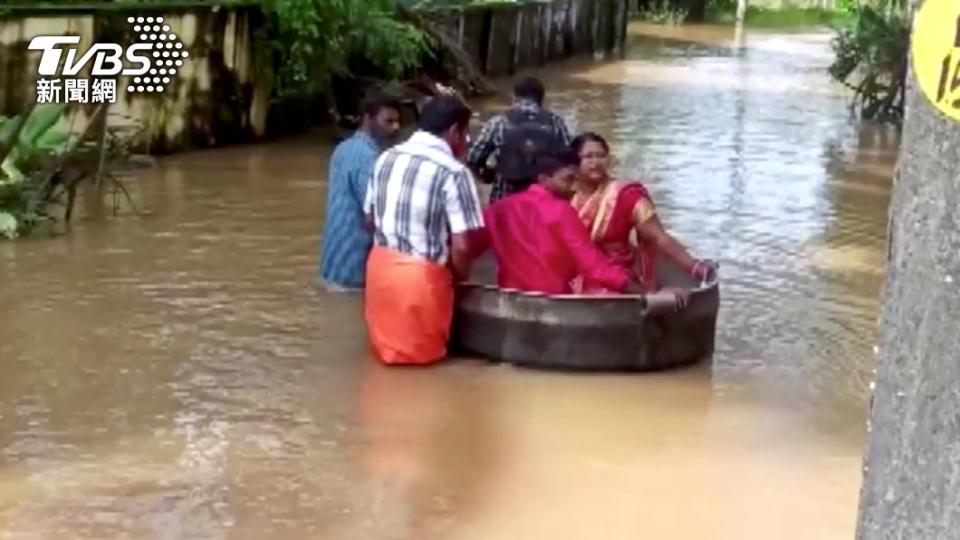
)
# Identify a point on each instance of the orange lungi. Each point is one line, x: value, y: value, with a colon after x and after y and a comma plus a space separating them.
x: 408, y: 307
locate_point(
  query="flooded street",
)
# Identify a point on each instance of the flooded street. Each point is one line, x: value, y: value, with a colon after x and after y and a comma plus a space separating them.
x: 176, y: 376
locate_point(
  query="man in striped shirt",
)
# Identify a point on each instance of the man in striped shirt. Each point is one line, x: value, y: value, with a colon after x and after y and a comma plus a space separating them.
x: 346, y: 241
x: 526, y: 113
x: 422, y: 203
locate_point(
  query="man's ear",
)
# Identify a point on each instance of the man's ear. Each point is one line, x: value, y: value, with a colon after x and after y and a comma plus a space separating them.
x: 452, y: 132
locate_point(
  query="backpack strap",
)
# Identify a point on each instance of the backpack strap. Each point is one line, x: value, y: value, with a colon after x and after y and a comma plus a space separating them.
x: 516, y: 116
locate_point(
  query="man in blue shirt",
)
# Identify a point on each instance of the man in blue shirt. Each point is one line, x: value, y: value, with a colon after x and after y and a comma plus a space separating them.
x: 346, y: 240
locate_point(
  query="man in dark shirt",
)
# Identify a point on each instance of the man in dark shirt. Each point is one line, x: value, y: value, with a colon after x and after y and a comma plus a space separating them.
x: 526, y: 114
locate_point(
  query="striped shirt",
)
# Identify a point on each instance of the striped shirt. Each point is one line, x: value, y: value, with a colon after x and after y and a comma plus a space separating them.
x: 488, y: 145
x: 420, y: 194
x: 346, y: 242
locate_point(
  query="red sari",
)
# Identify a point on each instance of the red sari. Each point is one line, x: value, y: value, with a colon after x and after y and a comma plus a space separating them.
x: 611, y: 214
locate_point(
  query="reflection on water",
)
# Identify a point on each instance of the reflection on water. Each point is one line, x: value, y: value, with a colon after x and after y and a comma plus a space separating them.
x: 174, y: 376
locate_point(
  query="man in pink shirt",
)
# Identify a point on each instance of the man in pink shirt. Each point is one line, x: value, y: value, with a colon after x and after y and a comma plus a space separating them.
x: 538, y: 239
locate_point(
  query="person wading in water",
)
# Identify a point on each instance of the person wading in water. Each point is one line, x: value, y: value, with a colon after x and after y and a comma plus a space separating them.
x: 346, y: 241
x: 503, y: 135
x: 422, y: 203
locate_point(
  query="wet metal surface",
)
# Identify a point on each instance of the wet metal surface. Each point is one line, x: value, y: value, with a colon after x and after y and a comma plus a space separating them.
x: 175, y: 376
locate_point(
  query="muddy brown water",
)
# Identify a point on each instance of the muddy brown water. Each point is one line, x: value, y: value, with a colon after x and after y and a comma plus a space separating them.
x: 175, y: 376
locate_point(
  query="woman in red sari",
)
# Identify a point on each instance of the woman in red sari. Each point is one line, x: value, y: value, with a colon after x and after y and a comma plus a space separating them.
x: 622, y: 220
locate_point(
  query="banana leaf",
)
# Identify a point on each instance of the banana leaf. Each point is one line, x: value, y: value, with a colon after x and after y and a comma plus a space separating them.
x: 37, y: 141
x: 39, y: 134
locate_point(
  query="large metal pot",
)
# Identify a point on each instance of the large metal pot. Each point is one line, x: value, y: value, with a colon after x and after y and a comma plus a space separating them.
x: 585, y: 332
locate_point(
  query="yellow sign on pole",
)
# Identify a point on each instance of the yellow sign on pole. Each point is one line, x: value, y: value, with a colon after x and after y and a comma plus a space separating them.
x: 935, y: 48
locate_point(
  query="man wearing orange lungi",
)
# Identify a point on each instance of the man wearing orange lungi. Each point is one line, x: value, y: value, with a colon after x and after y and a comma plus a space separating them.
x: 423, y: 203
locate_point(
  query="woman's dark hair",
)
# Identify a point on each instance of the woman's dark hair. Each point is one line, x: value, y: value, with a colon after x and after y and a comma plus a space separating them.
x: 586, y: 137
x: 530, y: 88
x: 376, y: 99
x: 440, y: 113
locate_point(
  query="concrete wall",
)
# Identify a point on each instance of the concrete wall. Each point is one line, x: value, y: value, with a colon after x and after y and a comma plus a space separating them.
x: 220, y: 96
x: 505, y: 38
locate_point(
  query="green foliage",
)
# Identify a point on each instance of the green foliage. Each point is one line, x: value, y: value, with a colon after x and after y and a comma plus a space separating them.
x: 452, y: 3
x: 313, y: 40
x: 32, y: 146
x: 22, y: 207
x: 794, y: 17
x: 724, y: 12
x: 871, y: 58
x: 8, y: 225
x: 44, y: 164
x: 36, y: 142
x: 847, y: 6
x: 663, y: 12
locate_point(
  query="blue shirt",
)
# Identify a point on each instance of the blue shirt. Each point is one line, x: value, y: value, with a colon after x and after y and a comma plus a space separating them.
x: 346, y: 241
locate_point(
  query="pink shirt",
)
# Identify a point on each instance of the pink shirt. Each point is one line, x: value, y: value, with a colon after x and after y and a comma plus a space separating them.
x: 541, y: 245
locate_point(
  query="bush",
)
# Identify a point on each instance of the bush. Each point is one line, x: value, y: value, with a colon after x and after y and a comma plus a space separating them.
x: 28, y: 142
x: 313, y: 40
x: 42, y: 164
x: 871, y: 58
x: 663, y: 12
x: 724, y: 12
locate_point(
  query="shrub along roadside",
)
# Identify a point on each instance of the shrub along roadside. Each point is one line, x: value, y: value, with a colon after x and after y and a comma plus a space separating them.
x: 871, y: 58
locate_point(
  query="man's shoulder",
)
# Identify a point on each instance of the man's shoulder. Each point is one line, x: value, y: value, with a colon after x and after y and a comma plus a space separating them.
x: 389, y: 153
x: 554, y: 209
x: 443, y: 161
x: 355, y: 147
x: 556, y: 117
x: 498, y: 118
x: 524, y: 202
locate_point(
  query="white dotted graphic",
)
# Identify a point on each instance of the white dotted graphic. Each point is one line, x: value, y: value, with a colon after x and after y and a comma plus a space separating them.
x: 165, y: 45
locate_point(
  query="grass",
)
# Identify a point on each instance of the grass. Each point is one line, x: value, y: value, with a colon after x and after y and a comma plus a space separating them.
x: 790, y: 17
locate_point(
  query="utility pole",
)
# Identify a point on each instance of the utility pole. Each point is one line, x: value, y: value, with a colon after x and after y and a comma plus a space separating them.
x: 912, y: 465
x: 741, y: 11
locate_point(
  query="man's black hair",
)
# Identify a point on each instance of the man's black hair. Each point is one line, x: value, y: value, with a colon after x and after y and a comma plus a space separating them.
x: 556, y: 158
x: 530, y: 88
x: 442, y: 112
x: 377, y: 99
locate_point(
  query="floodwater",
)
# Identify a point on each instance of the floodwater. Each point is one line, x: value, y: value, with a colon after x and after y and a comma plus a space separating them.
x: 175, y: 375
